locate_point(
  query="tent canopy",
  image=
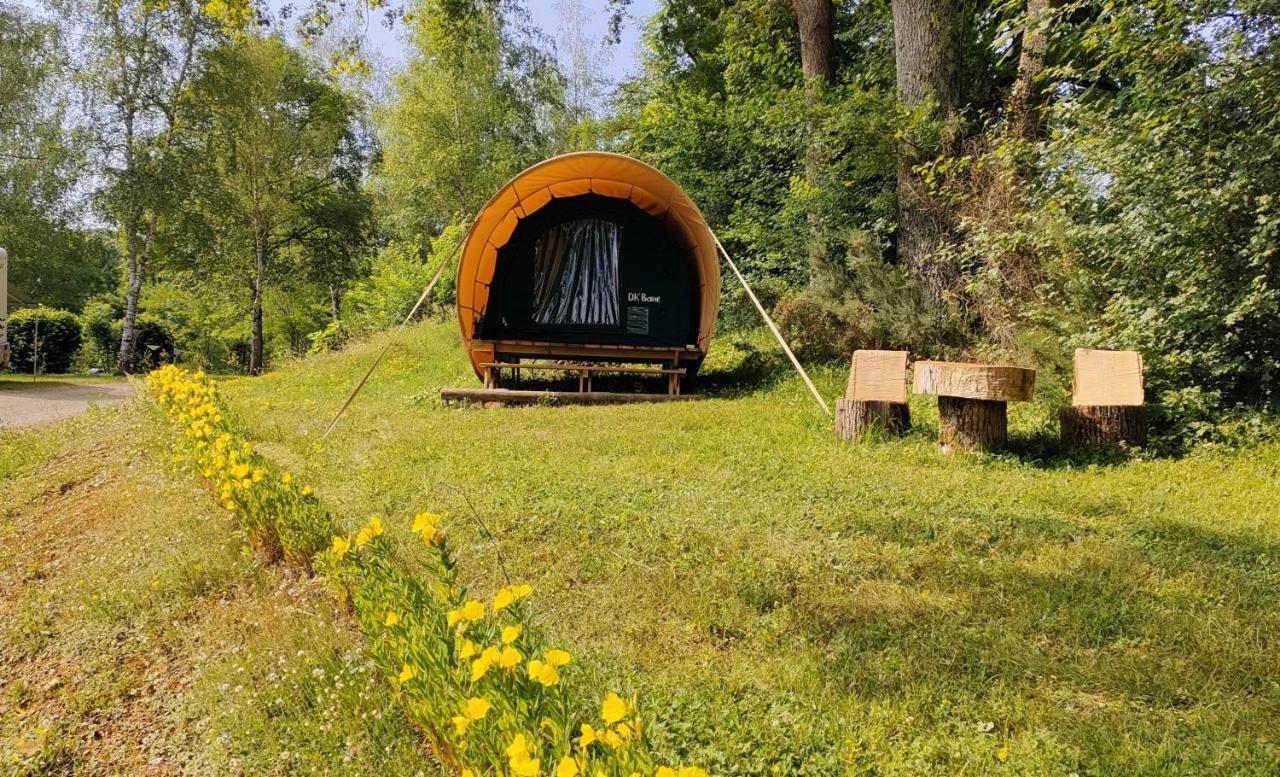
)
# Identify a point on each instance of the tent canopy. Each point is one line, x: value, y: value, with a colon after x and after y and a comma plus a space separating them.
x: 589, y: 248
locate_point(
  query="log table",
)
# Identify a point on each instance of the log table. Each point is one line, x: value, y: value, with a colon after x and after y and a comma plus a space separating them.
x: 973, y: 401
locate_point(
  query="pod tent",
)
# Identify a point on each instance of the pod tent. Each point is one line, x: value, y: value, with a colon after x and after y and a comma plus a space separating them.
x: 589, y: 256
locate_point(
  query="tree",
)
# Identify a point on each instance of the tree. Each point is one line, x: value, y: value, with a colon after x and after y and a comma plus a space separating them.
x: 471, y: 110
x: 42, y: 159
x: 929, y: 45
x: 276, y: 172
x: 135, y: 57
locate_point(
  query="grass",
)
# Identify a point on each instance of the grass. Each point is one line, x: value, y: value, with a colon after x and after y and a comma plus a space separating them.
x: 785, y: 604
x: 138, y: 636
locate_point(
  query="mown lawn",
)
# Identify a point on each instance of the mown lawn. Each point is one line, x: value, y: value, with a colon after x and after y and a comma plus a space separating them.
x: 138, y: 636
x: 785, y: 604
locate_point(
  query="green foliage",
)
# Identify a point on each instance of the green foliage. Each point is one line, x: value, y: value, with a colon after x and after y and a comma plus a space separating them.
x: 469, y: 113
x: 328, y: 339
x: 397, y: 278
x: 100, y: 331
x: 43, y: 339
x: 51, y: 258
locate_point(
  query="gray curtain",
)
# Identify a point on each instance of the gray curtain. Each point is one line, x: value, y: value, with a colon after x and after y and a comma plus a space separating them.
x: 576, y: 274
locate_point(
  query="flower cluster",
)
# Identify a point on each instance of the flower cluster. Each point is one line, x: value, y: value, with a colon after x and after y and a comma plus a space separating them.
x: 473, y: 673
x: 486, y: 691
x: 280, y: 516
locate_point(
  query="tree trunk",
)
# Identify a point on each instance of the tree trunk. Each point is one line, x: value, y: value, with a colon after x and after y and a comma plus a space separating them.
x: 815, y: 19
x: 817, y: 39
x: 128, y: 332
x: 335, y: 303
x: 929, y: 40
x: 255, y: 344
x: 855, y: 418
x: 1104, y: 425
x: 1025, y: 97
x: 971, y: 424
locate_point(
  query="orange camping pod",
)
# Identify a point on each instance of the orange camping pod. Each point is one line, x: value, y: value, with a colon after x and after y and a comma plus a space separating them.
x: 589, y: 257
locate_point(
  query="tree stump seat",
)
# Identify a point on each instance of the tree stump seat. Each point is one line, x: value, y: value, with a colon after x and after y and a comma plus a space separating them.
x: 973, y: 401
x: 1107, y: 397
x: 875, y: 401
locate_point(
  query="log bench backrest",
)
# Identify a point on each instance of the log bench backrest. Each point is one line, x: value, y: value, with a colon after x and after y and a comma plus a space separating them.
x: 878, y: 376
x: 1107, y: 378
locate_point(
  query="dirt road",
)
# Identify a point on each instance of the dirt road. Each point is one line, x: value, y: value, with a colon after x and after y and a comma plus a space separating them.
x: 45, y: 401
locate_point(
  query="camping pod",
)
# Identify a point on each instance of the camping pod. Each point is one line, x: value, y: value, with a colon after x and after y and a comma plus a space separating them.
x: 589, y: 257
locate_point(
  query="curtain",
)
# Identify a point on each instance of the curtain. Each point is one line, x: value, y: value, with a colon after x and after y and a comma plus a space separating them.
x: 576, y: 273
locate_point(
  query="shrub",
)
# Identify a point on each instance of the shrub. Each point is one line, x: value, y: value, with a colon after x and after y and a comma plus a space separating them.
x: 100, y: 332
x: 328, y: 339
x: 153, y: 343
x: 43, y: 339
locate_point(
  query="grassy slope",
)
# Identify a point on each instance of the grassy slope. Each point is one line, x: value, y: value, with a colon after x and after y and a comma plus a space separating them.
x: 781, y: 600
x: 138, y: 637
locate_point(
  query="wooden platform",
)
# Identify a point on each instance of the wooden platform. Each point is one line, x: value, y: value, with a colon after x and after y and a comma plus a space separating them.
x: 493, y: 396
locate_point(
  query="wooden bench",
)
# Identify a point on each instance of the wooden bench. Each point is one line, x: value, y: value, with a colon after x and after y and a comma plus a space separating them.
x: 584, y: 370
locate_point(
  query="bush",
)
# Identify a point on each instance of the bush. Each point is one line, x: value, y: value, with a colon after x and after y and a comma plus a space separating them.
x: 328, y: 339
x: 43, y: 339
x: 100, y: 332
x: 153, y: 343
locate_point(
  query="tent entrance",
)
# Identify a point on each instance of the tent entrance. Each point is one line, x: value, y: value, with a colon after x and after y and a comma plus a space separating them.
x: 594, y: 270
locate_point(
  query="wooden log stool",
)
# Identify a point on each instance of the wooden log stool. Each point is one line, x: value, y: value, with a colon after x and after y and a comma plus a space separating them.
x: 973, y: 401
x: 1106, y: 400
x: 876, y: 397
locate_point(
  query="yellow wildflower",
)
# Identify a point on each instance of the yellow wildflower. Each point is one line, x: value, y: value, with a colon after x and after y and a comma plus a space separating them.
x: 567, y: 768
x: 473, y: 610
x: 425, y: 525
x: 521, y: 591
x: 286, y: 478
x: 480, y: 667
x: 503, y: 599
x: 665, y: 771
x: 460, y: 724
x: 1003, y: 754
x: 614, y: 708
x: 477, y: 707
x: 469, y: 649
x: 691, y: 771
x: 511, y: 634
x: 340, y: 545
x: 306, y: 490
x: 588, y: 735
x: 392, y: 619
x: 543, y: 672
x: 258, y: 475
x: 372, y: 529
x: 557, y: 657
x: 453, y: 616
x: 510, y: 658
x: 407, y: 673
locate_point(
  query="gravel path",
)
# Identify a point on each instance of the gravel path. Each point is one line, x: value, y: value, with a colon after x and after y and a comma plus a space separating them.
x: 42, y: 402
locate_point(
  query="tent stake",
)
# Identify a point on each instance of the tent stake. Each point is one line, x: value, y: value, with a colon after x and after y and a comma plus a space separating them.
x: 395, y: 336
x: 773, y: 327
